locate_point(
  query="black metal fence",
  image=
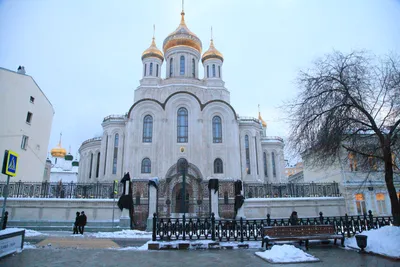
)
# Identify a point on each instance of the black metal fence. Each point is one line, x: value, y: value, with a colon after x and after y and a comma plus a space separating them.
x: 104, y: 190
x: 270, y: 190
x: 165, y: 229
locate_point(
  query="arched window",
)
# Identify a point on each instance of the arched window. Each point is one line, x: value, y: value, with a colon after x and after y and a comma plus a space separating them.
x: 137, y: 198
x: 91, y: 165
x: 182, y: 125
x: 147, y: 129
x: 151, y: 69
x: 265, y: 164
x: 171, y: 67
x: 213, y: 70
x: 116, y: 140
x: 182, y: 66
x: 217, y: 129
x: 193, y: 68
x: 157, y: 70
x: 218, y: 167
x: 226, y: 198
x: 208, y: 71
x: 273, y: 164
x: 146, y: 165
x: 98, y: 164
x: 219, y: 71
x: 145, y: 70
x: 246, y: 146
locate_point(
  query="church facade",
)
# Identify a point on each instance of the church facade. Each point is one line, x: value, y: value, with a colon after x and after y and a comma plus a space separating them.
x: 183, y: 117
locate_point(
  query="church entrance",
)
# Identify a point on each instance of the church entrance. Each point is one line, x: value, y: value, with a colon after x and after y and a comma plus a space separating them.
x: 182, y: 206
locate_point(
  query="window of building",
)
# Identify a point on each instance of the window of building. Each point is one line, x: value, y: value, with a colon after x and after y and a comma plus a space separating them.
x: 151, y: 69
x: 182, y: 125
x: 24, y: 142
x: 208, y: 71
x: 146, y: 165
x: 29, y: 117
x: 91, y: 165
x: 247, y: 149
x: 213, y: 70
x: 105, y: 155
x: 116, y: 140
x: 193, y: 68
x: 218, y: 167
x: 171, y: 67
x: 145, y: 69
x: 226, y: 198
x: 182, y: 66
x: 352, y: 161
x: 381, y: 204
x: 147, y: 129
x: 137, y: 198
x: 157, y: 70
x: 217, y: 129
x: 32, y: 99
x: 273, y: 164
x: 98, y: 165
x: 265, y: 164
x: 360, y: 204
x: 219, y: 71
x: 372, y: 163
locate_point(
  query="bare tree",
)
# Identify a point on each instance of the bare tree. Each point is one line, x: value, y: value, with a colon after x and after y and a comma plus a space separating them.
x: 350, y: 102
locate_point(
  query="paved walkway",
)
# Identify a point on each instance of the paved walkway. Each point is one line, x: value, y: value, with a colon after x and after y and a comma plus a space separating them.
x: 88, y: 251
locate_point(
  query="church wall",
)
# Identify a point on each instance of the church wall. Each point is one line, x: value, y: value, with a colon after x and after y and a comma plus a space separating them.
x: 277, y: 148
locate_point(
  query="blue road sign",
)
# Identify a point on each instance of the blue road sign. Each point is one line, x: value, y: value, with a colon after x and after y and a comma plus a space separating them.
x: 10, y: 163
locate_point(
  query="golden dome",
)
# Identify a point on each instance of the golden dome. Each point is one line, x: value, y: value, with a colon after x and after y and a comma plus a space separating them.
x: 182, y: 36
x: 212, y: 52
x: 153, y: 51
x: 58, y: 152
x: 264, y: 124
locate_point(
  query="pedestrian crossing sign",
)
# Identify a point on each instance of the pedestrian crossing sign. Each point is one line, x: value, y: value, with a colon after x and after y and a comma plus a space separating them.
x: 10, y: 163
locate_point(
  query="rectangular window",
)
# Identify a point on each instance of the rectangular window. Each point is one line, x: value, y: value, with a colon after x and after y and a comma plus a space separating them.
x: 380, y: 201
x: 29, y: 117
x: 24, y: 142
x: 32, y: 99
x: 360, y: 204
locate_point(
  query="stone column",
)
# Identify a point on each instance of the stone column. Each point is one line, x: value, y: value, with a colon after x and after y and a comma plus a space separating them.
x: 153, y: 188
x: 213, y: 187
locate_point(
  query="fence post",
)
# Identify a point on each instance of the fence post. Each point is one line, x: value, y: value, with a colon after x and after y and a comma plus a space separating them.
x: 268, y: 219
x: 183, y: 227
x: 321, y: 218
x: 241, y: 230
x: 346, y: 222
x: 212, y: 227
x: 371, y: 220
x: 154, y: 226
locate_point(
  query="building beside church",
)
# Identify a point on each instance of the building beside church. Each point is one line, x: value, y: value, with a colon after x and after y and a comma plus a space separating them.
x: 26, y: 116
x: 183, y: 117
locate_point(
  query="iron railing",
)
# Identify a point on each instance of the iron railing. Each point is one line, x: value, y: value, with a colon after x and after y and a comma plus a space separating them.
x: 104, y: 190
x: 165, y: 229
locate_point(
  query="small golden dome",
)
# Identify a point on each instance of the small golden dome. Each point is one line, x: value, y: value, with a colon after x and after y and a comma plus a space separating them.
x: 58, y: 152
x: 264, y: 124
x: 182, y: 36
x: 153, y: 51
x: 212, y: 52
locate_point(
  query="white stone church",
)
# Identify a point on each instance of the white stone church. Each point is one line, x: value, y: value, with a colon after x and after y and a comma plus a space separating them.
x: 182, y: 117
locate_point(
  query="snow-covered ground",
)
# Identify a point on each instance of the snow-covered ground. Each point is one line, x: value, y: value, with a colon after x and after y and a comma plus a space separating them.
x: 122, y: 234
x: 286, y: 254
x: 383, y: 241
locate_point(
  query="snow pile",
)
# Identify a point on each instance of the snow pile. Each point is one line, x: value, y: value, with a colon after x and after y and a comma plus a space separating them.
x: 30, y: 233
x: 144, y: 247
x: 285, y: 254
x: 384, y: 241
x: 122, y: 234
x: 28, y: 245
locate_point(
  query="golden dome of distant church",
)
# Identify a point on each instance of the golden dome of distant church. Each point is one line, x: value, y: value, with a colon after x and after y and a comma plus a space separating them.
x: 58, y: 152
x: 212, y: 52
x: 182, y: 36
x: 153, y: 51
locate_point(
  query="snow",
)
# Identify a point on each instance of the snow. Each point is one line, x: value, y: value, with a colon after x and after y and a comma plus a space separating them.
x: 286, y: 254
x: 30, y: 233
x: 383, y: 241
x: 28, y: 245
x: 122, y: 234
x: 10, y: 231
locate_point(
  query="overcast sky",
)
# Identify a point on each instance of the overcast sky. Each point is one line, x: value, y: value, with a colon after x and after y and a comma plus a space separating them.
x: 85, y: 55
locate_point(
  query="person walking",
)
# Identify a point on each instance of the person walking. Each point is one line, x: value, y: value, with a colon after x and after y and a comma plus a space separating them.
x: 76, y: 224
x: 4, y: 226
x: 82, y: 222
x: 294, y: 219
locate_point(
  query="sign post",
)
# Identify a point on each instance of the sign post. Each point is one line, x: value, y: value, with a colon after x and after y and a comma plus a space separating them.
x: 10, y: 164
x: 115, y: 191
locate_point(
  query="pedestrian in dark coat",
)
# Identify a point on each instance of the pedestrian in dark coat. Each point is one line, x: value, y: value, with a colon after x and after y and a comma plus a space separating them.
x: 82, y: 222
x: 76, y: 224
x: 294, y: 219
x: 4, y: 226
